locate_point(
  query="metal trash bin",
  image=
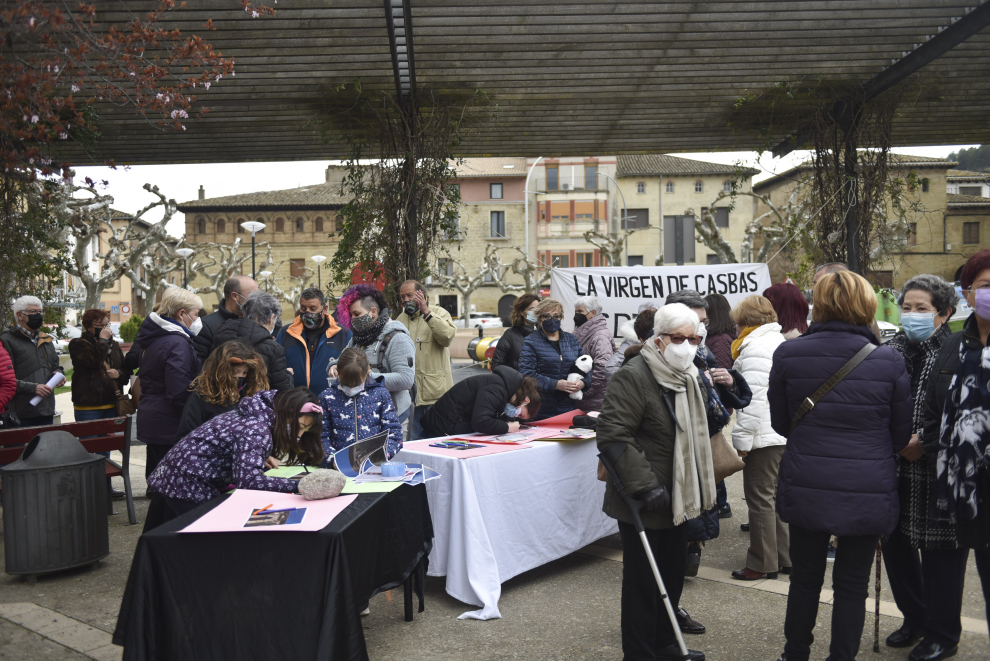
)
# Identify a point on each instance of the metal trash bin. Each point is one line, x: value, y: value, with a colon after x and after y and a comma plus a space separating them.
x: 54, y: 507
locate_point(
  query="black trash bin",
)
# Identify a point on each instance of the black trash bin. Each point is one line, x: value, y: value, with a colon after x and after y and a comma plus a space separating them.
x: 54, y: 507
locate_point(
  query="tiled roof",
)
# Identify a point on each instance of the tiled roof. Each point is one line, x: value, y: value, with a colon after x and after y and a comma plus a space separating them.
x: 491, y: 167
x: 954, y: 200
x: 966, y: 174
x: 320, y: 196
x: 926, y: 161
x: 895, y: 160
x: 660, y: 164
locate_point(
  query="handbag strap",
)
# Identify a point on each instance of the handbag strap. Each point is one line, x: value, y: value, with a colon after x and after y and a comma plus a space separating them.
x: 809, y: 402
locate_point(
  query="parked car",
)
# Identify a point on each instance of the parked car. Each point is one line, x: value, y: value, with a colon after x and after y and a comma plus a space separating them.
x: 887, y: 330
x: 63, y: 336
x: 480, y: 320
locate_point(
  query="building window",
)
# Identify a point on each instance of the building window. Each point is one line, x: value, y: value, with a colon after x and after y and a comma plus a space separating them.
x: 670, y: 187
x: 584, y: 259
x: 201, y: 225
x: 721, y: 216
x: 297, y: 268
x: 446, y: 267
x: 699, y: 186
x: 971, y: 190
x: 498, y: 225
x: 591, y: 177
x: 678, y: 239
x: 240, y: 228
x: 221, y: 226
x: 560, y: 260
x: 280, y: 224
x: 318, y: 225
x: 496, y: 191
x: 637, y: 219
x: 634, y: 260
x: 726, y: 186
x: 552, y: 177
x: 924, y: 185
x: 300, y: 225
x: 641, y: 188
x: 912, y: 237
x: 971, y: 233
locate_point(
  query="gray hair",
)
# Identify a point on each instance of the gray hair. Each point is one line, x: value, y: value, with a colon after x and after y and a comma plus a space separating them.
x: 943, y: 293
x: 589, y: 303
x: 689, y: 297
x: 24, y: 302
x: 259, y: 307
x: 649, y: 305
x: 672, y: 316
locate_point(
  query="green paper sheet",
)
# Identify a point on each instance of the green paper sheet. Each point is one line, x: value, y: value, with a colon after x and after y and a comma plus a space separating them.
x: 350, y: 487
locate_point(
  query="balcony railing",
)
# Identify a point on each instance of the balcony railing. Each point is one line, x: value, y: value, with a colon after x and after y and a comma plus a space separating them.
x: 566, y: 181
x: 565, y: 229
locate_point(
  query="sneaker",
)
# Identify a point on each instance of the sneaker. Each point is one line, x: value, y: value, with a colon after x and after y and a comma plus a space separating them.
x: 831, y: 552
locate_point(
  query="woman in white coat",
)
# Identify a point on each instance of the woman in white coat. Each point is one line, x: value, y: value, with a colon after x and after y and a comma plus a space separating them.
x: 756, y: 441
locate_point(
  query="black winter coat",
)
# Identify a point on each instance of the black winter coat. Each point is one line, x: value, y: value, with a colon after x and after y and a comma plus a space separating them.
x: 476, y: 404
x: 90, y: 384
x: 509, y: 345
x: 255, y: 335
x: 197, y: 411
x: 204, y: 342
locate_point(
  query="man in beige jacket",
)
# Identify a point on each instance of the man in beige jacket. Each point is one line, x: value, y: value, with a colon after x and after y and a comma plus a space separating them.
x: 431, y: 330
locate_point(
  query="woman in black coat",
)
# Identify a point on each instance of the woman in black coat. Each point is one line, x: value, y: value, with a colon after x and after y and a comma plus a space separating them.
x: 488, y: 404
x: 255, y: 329
x: 523, y: 319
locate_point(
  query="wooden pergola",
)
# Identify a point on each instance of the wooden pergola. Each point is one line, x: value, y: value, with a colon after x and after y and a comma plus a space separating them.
x: 569, y: 78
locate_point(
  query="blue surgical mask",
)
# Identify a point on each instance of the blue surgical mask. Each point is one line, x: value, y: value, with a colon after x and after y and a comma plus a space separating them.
x: 531, y: 317
x: 918, y: 326
x: 351, y: 392
x: 512, y: 411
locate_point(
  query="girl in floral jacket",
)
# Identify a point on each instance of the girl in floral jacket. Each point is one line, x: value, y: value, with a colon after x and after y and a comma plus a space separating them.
x: 356, y: 406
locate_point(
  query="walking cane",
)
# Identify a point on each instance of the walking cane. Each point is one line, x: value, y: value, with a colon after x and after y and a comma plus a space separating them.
x: 608, y: 458
x: 876, y: 616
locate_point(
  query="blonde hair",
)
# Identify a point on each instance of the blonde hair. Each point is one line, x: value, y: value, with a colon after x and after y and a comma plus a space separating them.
x: 845, y: 296
x: 175, y: 299
x: 548, y: 306
x: 754, y: 310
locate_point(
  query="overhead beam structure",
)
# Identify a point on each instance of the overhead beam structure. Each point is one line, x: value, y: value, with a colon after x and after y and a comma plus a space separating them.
x: 568, y: 78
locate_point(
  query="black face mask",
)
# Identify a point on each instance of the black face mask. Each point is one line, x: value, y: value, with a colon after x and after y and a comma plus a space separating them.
x: 34, y: 321
x: 410, y: 308
x: 580, y: 319
x: 312, y: 320
x: 241, y: 382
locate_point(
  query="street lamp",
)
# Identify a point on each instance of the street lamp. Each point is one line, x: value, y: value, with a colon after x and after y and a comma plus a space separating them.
x: 184, y: 254
x: 319, y: 259
x: 265, y: 275
x: 254, y: 227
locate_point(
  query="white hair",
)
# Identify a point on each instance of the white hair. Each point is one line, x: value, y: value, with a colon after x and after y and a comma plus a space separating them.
x: 649, y: 305
x: 672, y: 316
x: 24, y: 302
x: 589, y: 303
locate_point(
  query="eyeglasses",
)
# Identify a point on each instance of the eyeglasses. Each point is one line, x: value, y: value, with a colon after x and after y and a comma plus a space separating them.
x: 679, y: 339
x: 547, y: 317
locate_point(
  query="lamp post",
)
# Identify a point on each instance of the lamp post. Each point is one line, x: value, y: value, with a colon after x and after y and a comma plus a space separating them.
x: 254, y: 227
x: 184, y: 254
x: 319, y: 259
x: 265, y: 275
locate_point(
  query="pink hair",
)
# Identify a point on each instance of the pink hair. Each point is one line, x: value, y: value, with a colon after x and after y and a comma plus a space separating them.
x: 354, y: 293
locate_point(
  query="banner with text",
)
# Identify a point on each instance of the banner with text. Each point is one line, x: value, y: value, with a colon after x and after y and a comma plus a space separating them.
x: 622, y: 289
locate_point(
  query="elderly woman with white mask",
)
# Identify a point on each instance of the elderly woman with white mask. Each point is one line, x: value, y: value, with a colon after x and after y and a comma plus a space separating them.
x: 656, y: 405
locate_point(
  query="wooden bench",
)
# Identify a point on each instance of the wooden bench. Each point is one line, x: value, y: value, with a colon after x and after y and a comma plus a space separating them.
x: 107, y: 435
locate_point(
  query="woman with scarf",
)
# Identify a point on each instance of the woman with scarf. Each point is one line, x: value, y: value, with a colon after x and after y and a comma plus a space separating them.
x: 656, y: 406
x: 956, y: 432
x: 837, y: 476
x: 928, y: 590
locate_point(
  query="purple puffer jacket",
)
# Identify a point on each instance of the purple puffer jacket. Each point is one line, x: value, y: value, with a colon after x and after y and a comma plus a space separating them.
x: 838, y: 474
x: 229, y: 449
x: 168, y: 365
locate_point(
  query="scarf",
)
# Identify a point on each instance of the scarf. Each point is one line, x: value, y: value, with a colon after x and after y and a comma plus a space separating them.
x: 737, y: 343
x: 694, y: 476
x: 366, y: 337
x: 965, y: 434
x: 919, y: 358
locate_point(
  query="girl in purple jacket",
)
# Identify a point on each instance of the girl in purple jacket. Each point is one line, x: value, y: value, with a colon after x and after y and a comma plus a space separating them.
x: 229, y: 451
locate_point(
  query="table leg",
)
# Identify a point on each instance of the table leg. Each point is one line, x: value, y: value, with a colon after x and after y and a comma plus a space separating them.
x: 407, y: 596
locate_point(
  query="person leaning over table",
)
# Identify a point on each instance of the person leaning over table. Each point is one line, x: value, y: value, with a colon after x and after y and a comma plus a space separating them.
x: 431, y: 330
x: 523, y: 320
x: 656, y: 405
x: 592, y: 333
x: 232, y: 448
x: 956, y: 432
x: 547, y: 356
x: 489, y: 404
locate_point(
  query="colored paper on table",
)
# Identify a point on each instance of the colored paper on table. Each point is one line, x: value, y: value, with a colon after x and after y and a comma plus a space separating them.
x: 424, y: 447
x: 562, y: 420
x: 424, y: 475
x: 360, y: 455
x: 370, y: 487
x: 571, y: 435
x: 286, y: 517
x: 290, y: 471
x: 231, y: 514
x: 526, y: 436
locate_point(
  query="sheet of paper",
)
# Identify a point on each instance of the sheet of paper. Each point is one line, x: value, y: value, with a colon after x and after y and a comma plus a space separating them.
x: 424, y: 447
x: 562, y: 420
x: 530, y: 434
x: 233, y: 513
x: 370, y: 487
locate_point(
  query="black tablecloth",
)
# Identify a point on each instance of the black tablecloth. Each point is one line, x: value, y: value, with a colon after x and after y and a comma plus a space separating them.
x: 270, y: 595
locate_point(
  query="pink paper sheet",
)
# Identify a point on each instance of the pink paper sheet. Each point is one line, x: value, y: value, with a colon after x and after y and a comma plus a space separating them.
x: 562, y: 420
x: 531, y: 435
x: 232, y: 513
x: 424, y: 447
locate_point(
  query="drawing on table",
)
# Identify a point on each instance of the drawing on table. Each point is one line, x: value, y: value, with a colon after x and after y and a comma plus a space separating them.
x: 266, y: 517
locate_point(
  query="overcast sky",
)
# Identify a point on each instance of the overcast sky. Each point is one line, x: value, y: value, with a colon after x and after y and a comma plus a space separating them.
x: 182, y: 182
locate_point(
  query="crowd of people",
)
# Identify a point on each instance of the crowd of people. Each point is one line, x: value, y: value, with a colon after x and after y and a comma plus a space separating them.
x: 847, y: 444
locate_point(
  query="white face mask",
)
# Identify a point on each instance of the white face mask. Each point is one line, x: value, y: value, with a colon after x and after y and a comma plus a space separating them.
x: 196, y: 326
x: 702, y: 333
x: 679, y: 356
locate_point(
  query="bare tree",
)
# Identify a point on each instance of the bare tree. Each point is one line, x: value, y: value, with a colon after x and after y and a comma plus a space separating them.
x: 522, y: 266
x: 611, y: 246
x: 296, y: 286
x: 466, y: 283
x: 218, y: 261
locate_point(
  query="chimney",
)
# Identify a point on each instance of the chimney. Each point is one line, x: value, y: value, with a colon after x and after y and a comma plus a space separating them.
x: 202, y: 193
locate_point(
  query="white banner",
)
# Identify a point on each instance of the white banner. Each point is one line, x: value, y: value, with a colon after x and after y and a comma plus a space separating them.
x: 621, y: 289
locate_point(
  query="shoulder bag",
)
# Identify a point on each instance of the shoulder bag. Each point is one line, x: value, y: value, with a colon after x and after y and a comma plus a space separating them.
x: 809, y: 402
x: 125, y: 404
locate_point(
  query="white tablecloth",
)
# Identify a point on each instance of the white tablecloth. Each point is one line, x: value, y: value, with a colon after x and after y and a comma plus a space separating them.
x: 497, y: 516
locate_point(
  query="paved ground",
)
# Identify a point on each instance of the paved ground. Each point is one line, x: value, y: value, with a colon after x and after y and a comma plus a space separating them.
x: 568, y: 609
